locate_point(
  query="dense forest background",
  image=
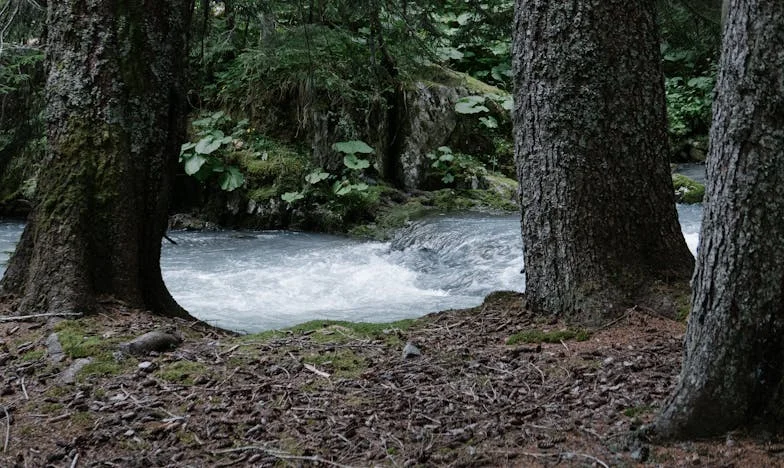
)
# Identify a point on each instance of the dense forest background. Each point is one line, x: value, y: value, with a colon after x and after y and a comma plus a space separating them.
x: 322, y: 115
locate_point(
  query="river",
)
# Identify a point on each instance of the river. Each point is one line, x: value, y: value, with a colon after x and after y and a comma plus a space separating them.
x: 254, y: 281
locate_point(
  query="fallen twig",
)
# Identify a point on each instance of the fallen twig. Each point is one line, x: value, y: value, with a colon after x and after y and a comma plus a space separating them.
x: 7, y: 429
x: 567, y: 455
x: 282, y: 455
x: 21, y: 318
x: 75, y: 460
x: 24, y: 390
x: 316, y: 371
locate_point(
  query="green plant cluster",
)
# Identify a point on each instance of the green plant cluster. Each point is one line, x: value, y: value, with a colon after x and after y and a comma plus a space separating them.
x: 206, y: 157
x: 456, y: 169
x: 345, y: 193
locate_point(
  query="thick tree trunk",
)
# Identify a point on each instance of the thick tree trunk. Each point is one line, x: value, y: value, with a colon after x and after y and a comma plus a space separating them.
x: 599, y: 223
x: 733, y: 370
x: 115, y: 119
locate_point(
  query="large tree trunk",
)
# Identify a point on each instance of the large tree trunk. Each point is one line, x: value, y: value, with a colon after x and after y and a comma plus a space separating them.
x: 599, y: 224
x: 114, y: 122
x: 733, y: 370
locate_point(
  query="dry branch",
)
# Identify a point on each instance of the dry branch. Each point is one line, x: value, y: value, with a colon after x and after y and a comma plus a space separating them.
x: 22, y: 318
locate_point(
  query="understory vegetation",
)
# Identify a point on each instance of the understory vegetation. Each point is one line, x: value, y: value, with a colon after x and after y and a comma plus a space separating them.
x: 347, y: 116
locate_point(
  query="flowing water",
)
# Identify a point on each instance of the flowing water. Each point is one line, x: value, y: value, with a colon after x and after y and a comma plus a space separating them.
x: 253, y: 281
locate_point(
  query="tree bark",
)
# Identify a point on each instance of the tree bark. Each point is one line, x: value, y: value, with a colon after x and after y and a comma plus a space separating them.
x: 115, y: 118
x: 733, y: 370
x: 599, y: 223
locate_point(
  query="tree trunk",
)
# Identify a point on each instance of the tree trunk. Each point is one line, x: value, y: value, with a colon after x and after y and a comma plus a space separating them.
x: 599, y: 226
x: 115, y: 118
x: 733, y: 370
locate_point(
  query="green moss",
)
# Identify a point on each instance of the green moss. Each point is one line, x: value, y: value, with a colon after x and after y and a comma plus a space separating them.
x: 105, y: 364
x: 33, y: 355
x: 77, y: 341
x: 332, y: 331
x: 264, y: 192
x: 439, y: 75
x: 687, y: 190
x: 360, y: 328
x: 638, y: 410
x: 539, y: 336
x: 181, y: 372
x: 341, y: 363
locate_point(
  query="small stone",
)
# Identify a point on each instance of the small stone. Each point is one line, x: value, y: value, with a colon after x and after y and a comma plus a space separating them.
x: 608, y: 361
x: 54, y: 348
x: 411, y: 351
x: 69, y: 375
x: 147, y: 366
x: 640, y: 454
x: 129, y: 433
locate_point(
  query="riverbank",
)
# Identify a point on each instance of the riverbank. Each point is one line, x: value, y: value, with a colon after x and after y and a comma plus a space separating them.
x: 345, y: 395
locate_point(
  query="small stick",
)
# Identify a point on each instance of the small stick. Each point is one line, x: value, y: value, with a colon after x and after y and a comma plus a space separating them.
x: 230, y: 350
x: 282, y: 456
x: 7, y: 429
x: 24, y: 390
x: 169, y: 239
x: 75, y: 460
x: 21, y: 318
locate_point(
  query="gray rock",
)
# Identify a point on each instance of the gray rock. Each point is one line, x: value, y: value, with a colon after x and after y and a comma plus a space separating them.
x: 411, y: 351
x: 69, y: 375
x: 147, y: 366
x: 54, y: 349
x: 154, y: 341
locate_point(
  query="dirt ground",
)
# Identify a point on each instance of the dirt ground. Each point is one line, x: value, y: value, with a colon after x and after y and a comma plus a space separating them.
x: 344, y: 395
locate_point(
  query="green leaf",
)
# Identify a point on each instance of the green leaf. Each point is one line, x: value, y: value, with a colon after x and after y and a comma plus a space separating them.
x: 353, y: 162
x: 508, y: 103
x: 444, y: 149
x: 187, y: 146
x: 291, y: 197
x: 489, y: 122
x: 470, y: 105
x: 316, y: 176
x: 194, y: 163
x: 217, y: 115
x: 341, y: 187
x: 447, y: 157
x: 448, y: 178
x: 205, y: 122
x: 231, y: 179
x: 351, y: 147
x: 207, y: 145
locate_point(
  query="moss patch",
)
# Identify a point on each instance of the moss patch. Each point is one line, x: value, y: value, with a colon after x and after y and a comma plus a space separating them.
x: 78, y: 341
x: 183, y: 372
x: 539, y: 336
x: 341, y: 363
x: 687, y: 190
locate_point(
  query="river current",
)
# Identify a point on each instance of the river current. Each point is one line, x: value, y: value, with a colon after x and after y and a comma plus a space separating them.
x: 254, y: 281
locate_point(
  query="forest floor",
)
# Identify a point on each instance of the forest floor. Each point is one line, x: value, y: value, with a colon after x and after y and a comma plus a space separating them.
x: 344, y: 395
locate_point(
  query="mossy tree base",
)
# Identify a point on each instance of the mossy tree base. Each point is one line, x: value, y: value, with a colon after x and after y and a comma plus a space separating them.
x: 115, y: 120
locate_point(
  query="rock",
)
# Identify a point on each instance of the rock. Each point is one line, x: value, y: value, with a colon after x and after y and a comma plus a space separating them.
x: 411, y: 351
x: 69, y: 375
x: 188, y: 222
x: 147, y: 366
x: 154, y: 341
x: 54, y: 348
x: 640, y: 454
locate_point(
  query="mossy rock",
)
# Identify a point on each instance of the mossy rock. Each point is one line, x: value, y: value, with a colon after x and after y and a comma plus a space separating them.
x: 687, y: 190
